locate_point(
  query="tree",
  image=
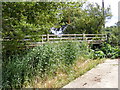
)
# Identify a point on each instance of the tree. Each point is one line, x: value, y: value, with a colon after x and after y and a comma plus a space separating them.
x: 85, y: 20
x: 114, y: 34
x: 27, y: 18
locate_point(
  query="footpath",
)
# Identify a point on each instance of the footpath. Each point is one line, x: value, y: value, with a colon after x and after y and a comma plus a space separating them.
x: 104, y: 75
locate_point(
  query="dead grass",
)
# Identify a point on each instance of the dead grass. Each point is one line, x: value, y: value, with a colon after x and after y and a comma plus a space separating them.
x: 61, y: 78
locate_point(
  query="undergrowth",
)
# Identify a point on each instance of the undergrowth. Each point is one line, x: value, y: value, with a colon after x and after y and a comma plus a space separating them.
x: 42, y: 61
x: 51, y: 65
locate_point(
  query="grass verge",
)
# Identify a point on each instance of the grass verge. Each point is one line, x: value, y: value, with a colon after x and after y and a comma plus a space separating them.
x: 61, y: 78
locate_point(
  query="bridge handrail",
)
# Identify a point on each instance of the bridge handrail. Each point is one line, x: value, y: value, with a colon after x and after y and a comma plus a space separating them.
x: 63, y: 37
x: 73, y: 36
x: 67, y: 35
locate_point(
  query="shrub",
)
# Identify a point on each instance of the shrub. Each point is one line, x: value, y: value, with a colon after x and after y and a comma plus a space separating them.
x: 46, y: 60
x: 91, y: 54
x: 99, y: 54
x: 110, y: 51
x: 42, y: 60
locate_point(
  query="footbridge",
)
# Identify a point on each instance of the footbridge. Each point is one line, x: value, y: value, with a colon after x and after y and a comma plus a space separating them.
x: 90, y: 38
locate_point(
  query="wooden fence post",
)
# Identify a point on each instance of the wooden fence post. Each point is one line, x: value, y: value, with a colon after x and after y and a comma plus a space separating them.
x: 83, y: 36
x: 47, y: 37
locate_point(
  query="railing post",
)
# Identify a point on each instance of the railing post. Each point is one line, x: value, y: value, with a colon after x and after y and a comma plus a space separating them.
x: 75, y: 36
x: 83, y: 36
x: 42, y: 38
x: 47, y: 37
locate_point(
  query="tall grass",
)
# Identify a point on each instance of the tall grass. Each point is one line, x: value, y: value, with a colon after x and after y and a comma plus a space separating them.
x: 43, y: 61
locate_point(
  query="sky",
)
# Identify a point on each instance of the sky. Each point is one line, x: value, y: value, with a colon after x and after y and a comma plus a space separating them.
x: 119, y: 11
x: 114, y: 9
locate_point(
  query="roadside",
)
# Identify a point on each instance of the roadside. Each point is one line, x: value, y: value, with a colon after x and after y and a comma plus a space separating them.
x: 104, y: 75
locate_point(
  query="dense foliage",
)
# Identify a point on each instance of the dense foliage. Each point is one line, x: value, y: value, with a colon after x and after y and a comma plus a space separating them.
x: 110, y: 51
x: 87, y: 18
x: 35, y: 18
x: 47, y: 59
x: 27, y: 18
x: 42, y: 60
x: 114, y: 34
x: 106, y: 50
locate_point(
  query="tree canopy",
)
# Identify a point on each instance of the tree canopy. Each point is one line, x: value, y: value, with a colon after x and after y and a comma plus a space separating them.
x: 88, y: 19
x: 114, y: 33
x: 27, y: 18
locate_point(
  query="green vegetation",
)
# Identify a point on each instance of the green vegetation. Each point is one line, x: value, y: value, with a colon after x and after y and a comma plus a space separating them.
x: 43, y: 60
x: 27, y: 18
x: 88, y: 20
x: 114, y: 34
x: 106, y: 50
x: 110, y: 51
x: 50, y: 60
x: 99, y: 54
x: 35, y: 18
x: 51, y: 65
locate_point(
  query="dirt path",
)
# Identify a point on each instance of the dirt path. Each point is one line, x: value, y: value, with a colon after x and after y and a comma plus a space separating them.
x: 104, y: 75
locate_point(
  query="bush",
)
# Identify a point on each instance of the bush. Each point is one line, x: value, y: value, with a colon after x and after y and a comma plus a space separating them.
x: 110, y: 51
x: 99, y: 54
x: 47, y: 59
x: 41, y: 61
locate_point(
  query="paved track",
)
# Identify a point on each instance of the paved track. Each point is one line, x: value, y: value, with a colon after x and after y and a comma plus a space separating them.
x: 104, y: 75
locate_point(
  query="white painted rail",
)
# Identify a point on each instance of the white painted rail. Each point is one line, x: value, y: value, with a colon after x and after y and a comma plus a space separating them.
x: 94, y: 38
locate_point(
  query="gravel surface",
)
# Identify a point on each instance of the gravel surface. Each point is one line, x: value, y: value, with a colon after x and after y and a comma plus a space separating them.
x: 104, y: 75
